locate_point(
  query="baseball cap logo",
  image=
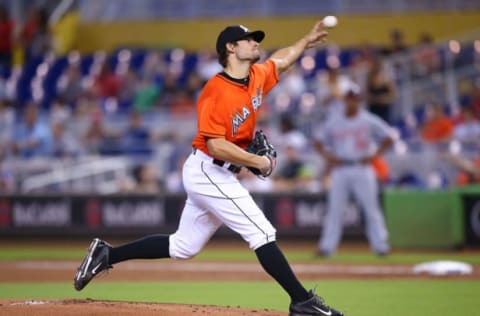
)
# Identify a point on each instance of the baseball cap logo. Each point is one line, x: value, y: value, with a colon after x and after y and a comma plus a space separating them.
x: 244, y: 28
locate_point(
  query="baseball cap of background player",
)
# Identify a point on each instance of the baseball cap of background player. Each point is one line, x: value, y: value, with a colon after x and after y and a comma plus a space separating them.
x: 235, y: 33
x: 352, y: 89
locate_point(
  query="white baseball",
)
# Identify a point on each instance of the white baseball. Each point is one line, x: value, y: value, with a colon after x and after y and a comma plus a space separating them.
x: 330, y: 21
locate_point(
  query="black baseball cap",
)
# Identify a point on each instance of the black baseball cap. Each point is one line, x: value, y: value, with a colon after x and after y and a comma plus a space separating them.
x: 235, y: 33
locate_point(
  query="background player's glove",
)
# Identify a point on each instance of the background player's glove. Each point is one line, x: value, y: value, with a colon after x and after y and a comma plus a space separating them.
x: 260, y: 146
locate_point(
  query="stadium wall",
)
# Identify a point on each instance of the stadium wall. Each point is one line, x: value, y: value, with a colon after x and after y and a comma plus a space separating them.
x: 433, y: 219
x: 195, y: 34
x: 415, y: 219
x: 424, y: 219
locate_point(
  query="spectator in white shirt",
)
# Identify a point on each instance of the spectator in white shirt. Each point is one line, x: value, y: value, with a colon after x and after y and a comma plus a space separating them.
x: 468, y: 130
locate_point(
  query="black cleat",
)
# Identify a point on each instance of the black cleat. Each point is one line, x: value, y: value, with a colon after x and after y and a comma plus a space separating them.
x: 323, y: 254
x: 94, y: 262
x: 382, y: 254
x: 313, y: 306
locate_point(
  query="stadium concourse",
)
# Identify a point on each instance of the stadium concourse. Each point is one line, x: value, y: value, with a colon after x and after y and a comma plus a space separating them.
x: 138, y: 104
x: 123, y: 119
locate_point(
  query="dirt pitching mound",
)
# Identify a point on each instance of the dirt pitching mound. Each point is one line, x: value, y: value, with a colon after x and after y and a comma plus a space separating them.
x: 89, y: 307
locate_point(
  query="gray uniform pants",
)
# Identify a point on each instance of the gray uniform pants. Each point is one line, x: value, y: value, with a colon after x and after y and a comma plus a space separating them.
x: 359, y: 180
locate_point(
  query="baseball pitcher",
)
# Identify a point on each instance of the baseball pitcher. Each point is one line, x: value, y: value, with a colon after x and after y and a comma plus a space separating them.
x: 226, y: 142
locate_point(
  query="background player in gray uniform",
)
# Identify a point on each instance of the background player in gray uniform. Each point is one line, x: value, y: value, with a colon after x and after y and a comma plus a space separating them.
x: 348, y: 143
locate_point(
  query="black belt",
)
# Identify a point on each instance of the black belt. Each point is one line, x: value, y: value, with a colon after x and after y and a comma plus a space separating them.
x: 350, y: 162
x: 232, y: 168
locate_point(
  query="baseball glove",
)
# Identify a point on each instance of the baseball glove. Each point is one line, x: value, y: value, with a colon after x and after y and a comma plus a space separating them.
x: 260, y: 146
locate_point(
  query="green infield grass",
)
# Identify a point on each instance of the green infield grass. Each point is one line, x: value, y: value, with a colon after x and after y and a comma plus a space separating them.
x: 355, y: 297
x: 245, y: 255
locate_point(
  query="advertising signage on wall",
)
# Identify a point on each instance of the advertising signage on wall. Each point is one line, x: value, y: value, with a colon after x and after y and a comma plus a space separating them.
x: 39, y: 212
x: 133, y: 214
x: 120, y: 211
x: 5, y: 212
x: 303, y: 211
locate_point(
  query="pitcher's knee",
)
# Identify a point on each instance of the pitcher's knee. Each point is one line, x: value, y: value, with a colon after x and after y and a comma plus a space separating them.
x: 181, y: 248
x: 257, y: 240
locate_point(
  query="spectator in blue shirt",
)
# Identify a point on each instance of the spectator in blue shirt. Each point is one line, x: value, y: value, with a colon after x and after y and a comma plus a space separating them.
x: 136, y: 138
x: 32, y: 137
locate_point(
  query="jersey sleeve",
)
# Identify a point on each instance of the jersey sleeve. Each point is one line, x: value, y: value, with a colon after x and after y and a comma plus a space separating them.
x: 270, y: 73
x: 210, y: 121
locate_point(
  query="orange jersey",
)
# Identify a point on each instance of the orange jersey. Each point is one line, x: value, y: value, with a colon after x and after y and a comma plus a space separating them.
x: 437, y: 129
x: 227, y: 109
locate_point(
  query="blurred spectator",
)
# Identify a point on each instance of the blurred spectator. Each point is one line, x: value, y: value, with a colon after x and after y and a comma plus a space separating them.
x: 3, y: 89
x: 469, y: 169
x: 147, y: 94
x: 207, y: 65
x: 136, y: 138
x: 293, y: 83
x: 362, y: 60
x: 380, y: 91
x: 426, y: 58
x: 35, y: 35
x: 170, y: 89
x: 64, y: 145
x: 98, y: 139
x: 7, y: 179
x: 107, y: 83
x: 154, y: 65
x: 32, y: 137
x: 476, y: 100
x: 70, y: 84
x: 397, y: 43
x: 6, y: 40
x: 293, y: 174
x: 468, y: 130
x: 7, y: 120
x: 437, y: 127
x: 60, y: 111
x: 194, y: 85
x: 289, y: 134
x: 128, y: 88
x: 330, y: 88
x: 182, y: 104
x: 408, y: 126
x: 394, y: 52
x: 87, y: 109
x: 146, y: 180
x: 93, y: 137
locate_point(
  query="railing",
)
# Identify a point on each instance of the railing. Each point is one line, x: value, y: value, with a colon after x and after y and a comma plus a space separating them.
x: 459, y: 61
x: 93, y: 174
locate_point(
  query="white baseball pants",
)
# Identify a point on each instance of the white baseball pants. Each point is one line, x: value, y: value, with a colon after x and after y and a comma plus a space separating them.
x: 215, y: 196
x: 359, y: 180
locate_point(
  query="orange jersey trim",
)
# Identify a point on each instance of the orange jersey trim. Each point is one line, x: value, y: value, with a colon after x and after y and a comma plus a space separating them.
x: 227, y: 109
